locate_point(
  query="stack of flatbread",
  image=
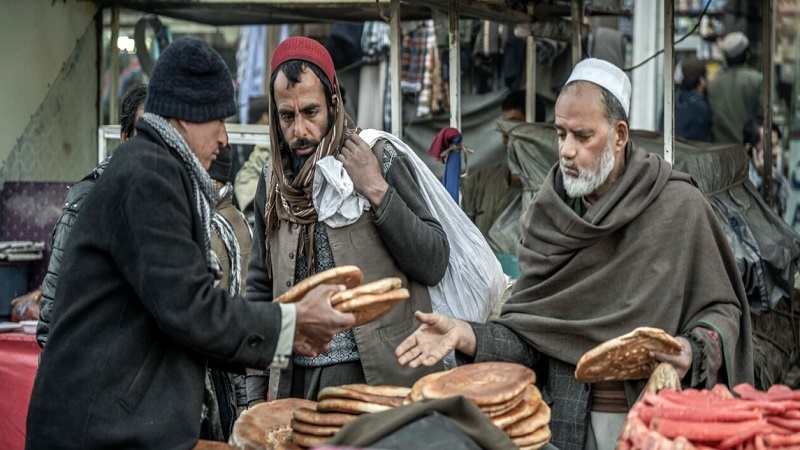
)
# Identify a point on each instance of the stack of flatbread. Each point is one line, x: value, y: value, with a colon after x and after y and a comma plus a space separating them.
x: 339, y: 405
x: 266, y: 426
x: 503, y: 391
x: 626, y: 357
x: 368, y: 302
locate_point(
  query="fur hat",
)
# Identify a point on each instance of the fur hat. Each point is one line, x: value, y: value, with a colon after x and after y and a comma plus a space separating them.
x: 734, y: 44
x: 190, y: 82
x: 607, y: 76
x: 304, y: 49
x: 220, y: 169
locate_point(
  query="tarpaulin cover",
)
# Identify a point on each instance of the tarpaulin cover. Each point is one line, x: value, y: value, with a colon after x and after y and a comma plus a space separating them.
x: 767, y: 250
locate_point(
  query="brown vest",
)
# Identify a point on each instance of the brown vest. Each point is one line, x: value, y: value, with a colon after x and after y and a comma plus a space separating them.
x: 359, y: 244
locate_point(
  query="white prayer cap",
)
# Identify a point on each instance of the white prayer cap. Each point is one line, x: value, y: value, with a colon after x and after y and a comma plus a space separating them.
x: 734, y: 44
x: 607, y: 76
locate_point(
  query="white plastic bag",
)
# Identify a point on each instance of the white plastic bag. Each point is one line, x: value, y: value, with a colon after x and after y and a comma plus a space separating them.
x: 474, y: 282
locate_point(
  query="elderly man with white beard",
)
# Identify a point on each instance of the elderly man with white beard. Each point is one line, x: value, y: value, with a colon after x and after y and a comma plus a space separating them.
x: 614, y: 240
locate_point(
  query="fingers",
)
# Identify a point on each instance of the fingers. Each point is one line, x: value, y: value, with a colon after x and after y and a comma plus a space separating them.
x: 430, y: 319
x: 404, y: 350
x: 344, y: 321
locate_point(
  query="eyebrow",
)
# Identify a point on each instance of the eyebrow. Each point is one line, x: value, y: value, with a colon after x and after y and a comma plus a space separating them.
x: 305, y: 109
x: 579, y: 131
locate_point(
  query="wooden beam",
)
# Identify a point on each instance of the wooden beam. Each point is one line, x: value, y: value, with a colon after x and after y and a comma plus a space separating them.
x: 577, y: 25
x: 455, y: 65
x: 669, y: 84
x: 394, y: 70
x: 766, y: 92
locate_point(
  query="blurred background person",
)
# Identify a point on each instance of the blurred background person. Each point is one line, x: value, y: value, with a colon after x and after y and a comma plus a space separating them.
x: 692, y: 111
x: 753, y: 141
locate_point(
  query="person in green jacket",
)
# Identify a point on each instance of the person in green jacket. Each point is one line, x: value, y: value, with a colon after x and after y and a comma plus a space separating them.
x: 731, y: 111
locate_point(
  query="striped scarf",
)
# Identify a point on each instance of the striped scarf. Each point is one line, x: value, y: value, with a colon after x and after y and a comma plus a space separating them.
x: 288, y: 197
x: 203, y: 188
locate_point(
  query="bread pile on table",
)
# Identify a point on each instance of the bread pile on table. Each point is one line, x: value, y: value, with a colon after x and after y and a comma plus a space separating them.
x: 293, y: 424
x: 503, y: 391
x: 339, y: 405
x: 267, y: 426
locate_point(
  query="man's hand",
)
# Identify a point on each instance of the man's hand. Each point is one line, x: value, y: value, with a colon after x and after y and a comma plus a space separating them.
x: 317, y: 322
x: 682, y: 362
x: 362, y: 167
x: 437, y: 337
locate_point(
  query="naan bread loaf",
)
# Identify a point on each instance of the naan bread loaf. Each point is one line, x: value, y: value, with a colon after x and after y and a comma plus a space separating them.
x: 266, y: 425
x: 371, y: 307
x: 350, y: 276
x: 626, y: 357
x: 376, y: 287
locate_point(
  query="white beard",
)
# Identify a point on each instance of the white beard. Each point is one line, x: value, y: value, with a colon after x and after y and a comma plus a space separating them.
x: 591, y: 178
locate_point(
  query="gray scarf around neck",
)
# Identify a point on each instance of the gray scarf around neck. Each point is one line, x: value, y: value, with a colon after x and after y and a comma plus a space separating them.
x: 204, y: 190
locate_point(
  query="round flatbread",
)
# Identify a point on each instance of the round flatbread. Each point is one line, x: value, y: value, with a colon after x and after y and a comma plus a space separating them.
x: 203, y: 444
x: 626, y: 357
x: 350, y: 276
x: 502, y: 408
x: 314, y: 430
x: 281, y: 440
x: 528, y: 425
x: 540, y: 436
x: 384, y: 390
x: 370, y: 307
x: 253, y: 426
x: 525, y: 408
x: 327, y: 419
x: 489, y: 383
x: 345, y: 393
x: 308, y: 440
x: 415, y: 394
x: 349, y: 406
x: 375, y: 287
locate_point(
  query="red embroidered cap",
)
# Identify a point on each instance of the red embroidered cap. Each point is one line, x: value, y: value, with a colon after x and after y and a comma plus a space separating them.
x: 304, y: 49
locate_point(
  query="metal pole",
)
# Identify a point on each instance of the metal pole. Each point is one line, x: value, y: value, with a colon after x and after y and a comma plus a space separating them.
x: 530, y: 79
x: 669, y: 84
x: 394, y: 70
x: 766, y: 92
x: 113, y: 53
x: 577, y: 26
x: 455, y: 65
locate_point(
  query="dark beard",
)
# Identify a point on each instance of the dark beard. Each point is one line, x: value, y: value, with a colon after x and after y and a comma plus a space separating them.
x: 297, y: 163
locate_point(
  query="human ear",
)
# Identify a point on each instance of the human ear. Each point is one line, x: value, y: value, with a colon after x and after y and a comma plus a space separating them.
x: 621, y: 130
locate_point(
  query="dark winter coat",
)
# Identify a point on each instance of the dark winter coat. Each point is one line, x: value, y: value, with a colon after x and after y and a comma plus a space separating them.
x: 136, y: 317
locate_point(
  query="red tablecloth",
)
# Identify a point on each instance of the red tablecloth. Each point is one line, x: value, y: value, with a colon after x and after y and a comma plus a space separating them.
x: 19, y: 358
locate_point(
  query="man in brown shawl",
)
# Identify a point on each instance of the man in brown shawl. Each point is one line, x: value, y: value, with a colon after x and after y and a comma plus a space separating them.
x: 614, y: 240
x: 395, y: 236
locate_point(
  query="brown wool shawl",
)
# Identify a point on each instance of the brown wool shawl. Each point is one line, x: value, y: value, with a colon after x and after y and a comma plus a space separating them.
x: 650, y: 252
x: 289, y: 198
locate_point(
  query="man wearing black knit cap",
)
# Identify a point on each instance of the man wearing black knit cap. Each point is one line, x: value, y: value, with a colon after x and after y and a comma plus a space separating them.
x: 137, y: 319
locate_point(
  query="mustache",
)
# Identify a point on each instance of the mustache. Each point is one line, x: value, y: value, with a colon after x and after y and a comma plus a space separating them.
x: 304, y: 143
x: 566, y: 164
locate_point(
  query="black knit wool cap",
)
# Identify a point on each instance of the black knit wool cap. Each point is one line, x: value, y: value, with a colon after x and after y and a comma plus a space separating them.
x: 220, y: 168
x: 190, y: 82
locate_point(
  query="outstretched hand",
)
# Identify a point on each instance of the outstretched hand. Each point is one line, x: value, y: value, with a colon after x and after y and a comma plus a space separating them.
x: 434, y: 339
x: 317, y: 322
x: 682, y: 362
